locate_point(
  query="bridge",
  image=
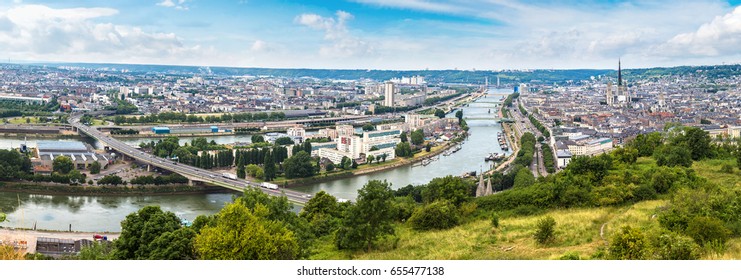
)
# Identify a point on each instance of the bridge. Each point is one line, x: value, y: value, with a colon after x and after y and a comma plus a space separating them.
x: 190, y: 172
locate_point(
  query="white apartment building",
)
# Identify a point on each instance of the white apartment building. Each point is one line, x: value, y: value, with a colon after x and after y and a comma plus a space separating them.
x: 389, y: 90
x: 352, y: 146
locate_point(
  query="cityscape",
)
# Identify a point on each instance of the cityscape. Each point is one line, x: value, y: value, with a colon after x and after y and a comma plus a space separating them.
x: 163, y: 141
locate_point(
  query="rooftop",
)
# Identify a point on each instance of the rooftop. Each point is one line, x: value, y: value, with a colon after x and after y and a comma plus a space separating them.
x: 68, y: 146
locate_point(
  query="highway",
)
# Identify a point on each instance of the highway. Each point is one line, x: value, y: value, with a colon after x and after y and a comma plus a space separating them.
x: 191, y: 172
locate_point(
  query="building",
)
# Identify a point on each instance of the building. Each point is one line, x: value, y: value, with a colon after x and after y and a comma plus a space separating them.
x: 82, y: 155
x: 297, y: 132
x: 389, y: 94
x: 356, y: 147
x: 563, y: 157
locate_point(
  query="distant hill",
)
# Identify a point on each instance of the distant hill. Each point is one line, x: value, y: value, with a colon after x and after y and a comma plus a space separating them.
x: 432, y: 76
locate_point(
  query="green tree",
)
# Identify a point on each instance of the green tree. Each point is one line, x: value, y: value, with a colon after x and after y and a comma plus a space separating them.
x: 110, y: 180
x: 140, y: 229
x: 440, y: 214
x: 257, y: 138
x: 284, y: 141
x: 322, y: 212
x: 546, y: 230
x: 705, y: 230
x: 63, y: 164
x: 450, y: 188
x: 459, y: 115
x: 418, y: 137
x: 369, y: 219
x: 3, y: 217
x: 94, y: 167
x: 370, y: 159
x: 439, y: 113
x: 383, y: 157
x: 673, y: 246
x: 628, y: 244
x: 524, y: 178
x: 673, y: 155
x: 403, y: 136
x: 174, y: 245
x: 240, y: 233
x: 241, y: 171
x: 696, y: 140
x: 269, y: 167
x: 299, y: 166
x: 329, y: 167
x: 369, y: 127
x: 96, y: 251
x: 646, y: 143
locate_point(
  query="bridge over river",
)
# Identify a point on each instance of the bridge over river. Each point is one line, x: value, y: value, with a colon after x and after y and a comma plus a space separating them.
x: 190, y: 172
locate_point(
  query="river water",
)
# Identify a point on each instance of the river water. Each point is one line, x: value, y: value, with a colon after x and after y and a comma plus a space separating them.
x: 101, y: 213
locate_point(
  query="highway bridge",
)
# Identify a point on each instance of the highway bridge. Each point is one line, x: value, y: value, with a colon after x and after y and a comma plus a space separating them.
x: 192, y: 173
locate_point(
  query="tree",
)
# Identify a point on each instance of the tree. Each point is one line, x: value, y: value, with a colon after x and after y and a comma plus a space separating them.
x: 329, y: 167
x: 403, y: 149
x: 370, y: 159
x: 403, y: 136
x: 628, y: 244
x: 369, y: 219
x: 96, y: 251
x: 269, y: 167
x: 459, y: 115
x: 284, y: 141
x: 369, y: 127
x: 705, y: 230
x: 439, y: 113
x: 110, y: 180
x: 241, y: 171
x: 546, y: 230
x: 299, y: 166
x: 524, y: 178
x: 646, y: 143
x: 257, y: 138
x: 418, y: 136
x: 450, y: 188
x: 428, y: 147
x: 322, y: 212
x: 139, y: 231
x: 695, y: 139
x: 437, y: 215
x: 94, y: 167
x: 240, y: 233
x: 673, y: 155
x: 174, y: 245
x: 63, y: 164
x: 383, y: 157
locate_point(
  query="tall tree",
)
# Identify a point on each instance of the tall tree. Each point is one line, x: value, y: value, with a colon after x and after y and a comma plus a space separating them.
x: 369, y: 219
x: 63, y: 164
x: 418, y: 136
x: 403, y: 136
x: 140, y: 229
x: 241, y: 172
x: 299, y: 166
x: 240, y: 233
x: 269, y: 167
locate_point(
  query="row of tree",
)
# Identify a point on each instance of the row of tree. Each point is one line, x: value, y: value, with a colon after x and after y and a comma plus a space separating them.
x: 174, y: 117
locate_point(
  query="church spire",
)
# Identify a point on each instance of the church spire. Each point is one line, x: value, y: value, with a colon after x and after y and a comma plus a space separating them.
x: 620, y: 74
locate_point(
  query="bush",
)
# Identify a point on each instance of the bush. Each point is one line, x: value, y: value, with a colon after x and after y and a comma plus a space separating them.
x: 440, y: 214
x: 495, y: 220
x: 570, y: 256
x: 628, y: 244
x: 672, y: 246
x: 726, y: 168
x: 546, y: 231
x: 705, y: 230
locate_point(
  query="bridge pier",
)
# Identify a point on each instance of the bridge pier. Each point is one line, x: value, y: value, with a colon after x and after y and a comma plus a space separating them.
x: 191, y: 183
x: 149, y: 168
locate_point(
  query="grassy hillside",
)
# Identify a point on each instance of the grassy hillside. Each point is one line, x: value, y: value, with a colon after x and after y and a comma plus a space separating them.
x: 582, y: 232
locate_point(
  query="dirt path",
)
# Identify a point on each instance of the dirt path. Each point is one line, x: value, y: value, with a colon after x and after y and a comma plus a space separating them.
x: 8, y: 236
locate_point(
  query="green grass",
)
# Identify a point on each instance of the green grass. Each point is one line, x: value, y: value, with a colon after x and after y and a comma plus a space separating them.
x: 577, y: 230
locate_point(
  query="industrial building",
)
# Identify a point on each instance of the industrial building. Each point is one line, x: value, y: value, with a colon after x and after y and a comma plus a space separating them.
x: 81, y: 154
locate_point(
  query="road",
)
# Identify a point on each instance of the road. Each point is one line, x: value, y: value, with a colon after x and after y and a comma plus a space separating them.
x: 191, y: 172
x: 523, y: 124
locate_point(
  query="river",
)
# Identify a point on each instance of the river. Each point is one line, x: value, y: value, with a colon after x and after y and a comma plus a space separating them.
x: 101, y: 213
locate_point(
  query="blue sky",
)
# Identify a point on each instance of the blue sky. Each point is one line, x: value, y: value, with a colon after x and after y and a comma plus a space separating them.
x: 375, y: 34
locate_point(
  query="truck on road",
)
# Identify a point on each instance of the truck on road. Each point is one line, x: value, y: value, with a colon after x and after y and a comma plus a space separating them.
x: 229, y: 176
x: 269, y: 186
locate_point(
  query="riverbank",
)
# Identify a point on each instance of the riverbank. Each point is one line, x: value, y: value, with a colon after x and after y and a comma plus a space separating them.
x: 61, y: 189
x: 8, y: 235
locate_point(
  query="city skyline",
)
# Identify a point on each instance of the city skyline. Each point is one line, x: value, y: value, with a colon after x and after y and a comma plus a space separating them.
x: 374, y: 34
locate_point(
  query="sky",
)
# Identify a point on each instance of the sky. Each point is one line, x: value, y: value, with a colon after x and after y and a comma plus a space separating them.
x: 375, y: 34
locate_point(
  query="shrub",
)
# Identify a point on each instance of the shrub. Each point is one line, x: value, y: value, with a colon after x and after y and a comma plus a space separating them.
x: 440, y: 214
x: 726, y: 168
x: 628, y: 244
x: 495, y: 220
x: 546, y: 231
x: 707, y: 229
x: 672, y: 246
x: 570, y: 256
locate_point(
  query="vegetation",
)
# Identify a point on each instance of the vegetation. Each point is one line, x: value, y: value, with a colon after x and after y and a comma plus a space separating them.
x: 175, y: 117
x: 546, y: 231
x: 418, y: 137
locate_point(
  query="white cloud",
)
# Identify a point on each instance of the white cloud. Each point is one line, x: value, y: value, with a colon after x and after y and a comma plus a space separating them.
x: 260, y: 46
x: 721, y: 36
x: 180, y: 5
x: 38, y: 32
x: 342, y: 44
